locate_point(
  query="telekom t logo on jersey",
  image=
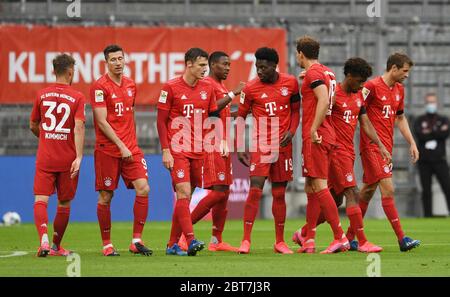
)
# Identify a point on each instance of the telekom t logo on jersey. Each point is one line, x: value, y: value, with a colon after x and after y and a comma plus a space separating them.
x: 119, y: 109
x: 188, y: 109
x: 270, y: 108
x: 347, y: 115
x: 386, y: 111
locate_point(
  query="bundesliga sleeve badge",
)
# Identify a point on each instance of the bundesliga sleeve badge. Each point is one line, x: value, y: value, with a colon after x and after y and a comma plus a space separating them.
x: 365, y: 92
x: 163, y: 97
x: 99, y: 96
x: 242, y: 98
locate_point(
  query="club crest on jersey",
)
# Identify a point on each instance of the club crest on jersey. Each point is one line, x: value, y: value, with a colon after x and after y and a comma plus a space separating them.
x: 163, y: 97
x: 203, y: 95
x: 284, y: 91
x: 349, y: 177
x: 108, y: 181
x: 242, y: 98
x: 221, y: 176
x: 386, y: 169
x: 365, y: 92
x: 358, y: 103
x: 252, y: 167
x: 397, y: 97
x: 99, y: 96
x: 180, y: 173
x: 130, y: 92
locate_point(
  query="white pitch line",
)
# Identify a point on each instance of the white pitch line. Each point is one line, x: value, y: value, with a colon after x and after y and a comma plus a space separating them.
x: 14, y: 254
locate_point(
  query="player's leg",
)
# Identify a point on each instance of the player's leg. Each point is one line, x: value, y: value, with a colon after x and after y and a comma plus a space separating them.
x: 44, y: 186
x: 66, y: 188
x: 279, y: 215
x: 442, y: 174
x: 106, y: 181
x: 140, y: 211
x: 356, y: 221
x: 251, y: 210
x: 388, y: 203
x: 426, y: 176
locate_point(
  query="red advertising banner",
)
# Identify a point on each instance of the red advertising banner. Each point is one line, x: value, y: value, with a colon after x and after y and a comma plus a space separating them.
x: 153, y: 54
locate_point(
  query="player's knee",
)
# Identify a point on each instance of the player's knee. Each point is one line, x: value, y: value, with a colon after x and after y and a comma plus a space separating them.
x: 257, y: 183
x: 105, y: 197
x: 143, y: 190
x: 64, y: 203
x: 183, y: 192
x: 339, y: 199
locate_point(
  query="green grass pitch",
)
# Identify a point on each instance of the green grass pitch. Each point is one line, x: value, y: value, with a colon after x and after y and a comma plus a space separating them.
x: 432, y: 258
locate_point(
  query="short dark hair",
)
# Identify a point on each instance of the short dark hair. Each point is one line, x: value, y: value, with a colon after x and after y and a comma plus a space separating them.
x: 308, y: 46
x: 268, y: 54
x: 398, y: 59
x: 215, y: 56
x: 112, y: 48
x: 61, y: 63
x: 193, y: 54
x: 358, y: 67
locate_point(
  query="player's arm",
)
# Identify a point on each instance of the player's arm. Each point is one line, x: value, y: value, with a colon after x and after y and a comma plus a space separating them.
x: 222, y: 103
x: 245, y: 103
x: 295, y: 117
x: 79, y: 132
x: 35, y: 117
x: 100, y: 114
x: 34, y: 127
x: 321, y: 93
x: 370, y: 131
x: 442, y: 132
x: 162, y: 122
x: 403, y: 126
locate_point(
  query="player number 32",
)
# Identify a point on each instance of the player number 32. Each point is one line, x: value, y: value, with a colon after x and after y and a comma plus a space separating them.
x: 60, y: 108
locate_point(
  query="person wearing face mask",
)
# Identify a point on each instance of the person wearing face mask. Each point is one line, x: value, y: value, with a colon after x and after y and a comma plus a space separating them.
x: 432, y: 130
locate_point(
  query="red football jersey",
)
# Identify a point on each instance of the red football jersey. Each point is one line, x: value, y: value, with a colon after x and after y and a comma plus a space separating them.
x: 315, y: 75
x: 119, y: 103
x: 382, y: 104
x: 56, y: 108
x: 345, y: 113
x: 220, y: 92
x: 188, y: 107
x: 269, y: 101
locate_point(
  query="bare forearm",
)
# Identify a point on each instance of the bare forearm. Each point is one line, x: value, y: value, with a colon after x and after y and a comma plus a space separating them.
x: 321, y: 112
x: 369, y: 130
x: 222, y: 103
x: 106, y: 128
x: 79, y: 141
x: 403, y: 126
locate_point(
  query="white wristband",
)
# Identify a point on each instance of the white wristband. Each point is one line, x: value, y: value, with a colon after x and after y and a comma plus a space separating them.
x: 231, y: 94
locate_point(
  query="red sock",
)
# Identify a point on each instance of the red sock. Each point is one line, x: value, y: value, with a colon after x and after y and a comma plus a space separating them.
x: 41, y: 218
x: 140, y: 211
x: 219, y: 216
x: 279, y: 211
x: 104, y: 221
x: 175, y: 231
x: 205, y: 205
x: 320, y: 221
x: 356, y: 223
x: 251, y: 210
x: 184, y: 218
x: 330, y: 211
x: 390, y: 210
x: 60, y: 224
x: 363, y: 205
x: 312, y: 214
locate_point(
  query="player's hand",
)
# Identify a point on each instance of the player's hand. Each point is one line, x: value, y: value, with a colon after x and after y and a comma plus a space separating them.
x: 244, y: 158
x: 315, y: 138
x: 167, y: 159
x: 224, y: 150
x: 302, y: 75
x: 414, y: 152
x: 75, y: 167
x: 239, y: 88
x: 385, y: 154
x: 126, y: 154
x: 286, y: 139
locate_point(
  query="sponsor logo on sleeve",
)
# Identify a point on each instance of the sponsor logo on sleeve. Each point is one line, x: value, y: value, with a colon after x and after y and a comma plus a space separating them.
x: 365, y: 92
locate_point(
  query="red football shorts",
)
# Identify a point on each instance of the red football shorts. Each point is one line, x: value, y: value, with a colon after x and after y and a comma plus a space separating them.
x: 278, y: 167
x: 374, y: 167
x: 217, y: 170
x: 316, y: 159
x: 108, y: 170
x: 46, y: 182
x: 187, y: 170
x: 341, y: 174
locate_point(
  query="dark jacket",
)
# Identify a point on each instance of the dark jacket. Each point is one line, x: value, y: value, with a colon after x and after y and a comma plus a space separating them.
x: 431, y: 131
